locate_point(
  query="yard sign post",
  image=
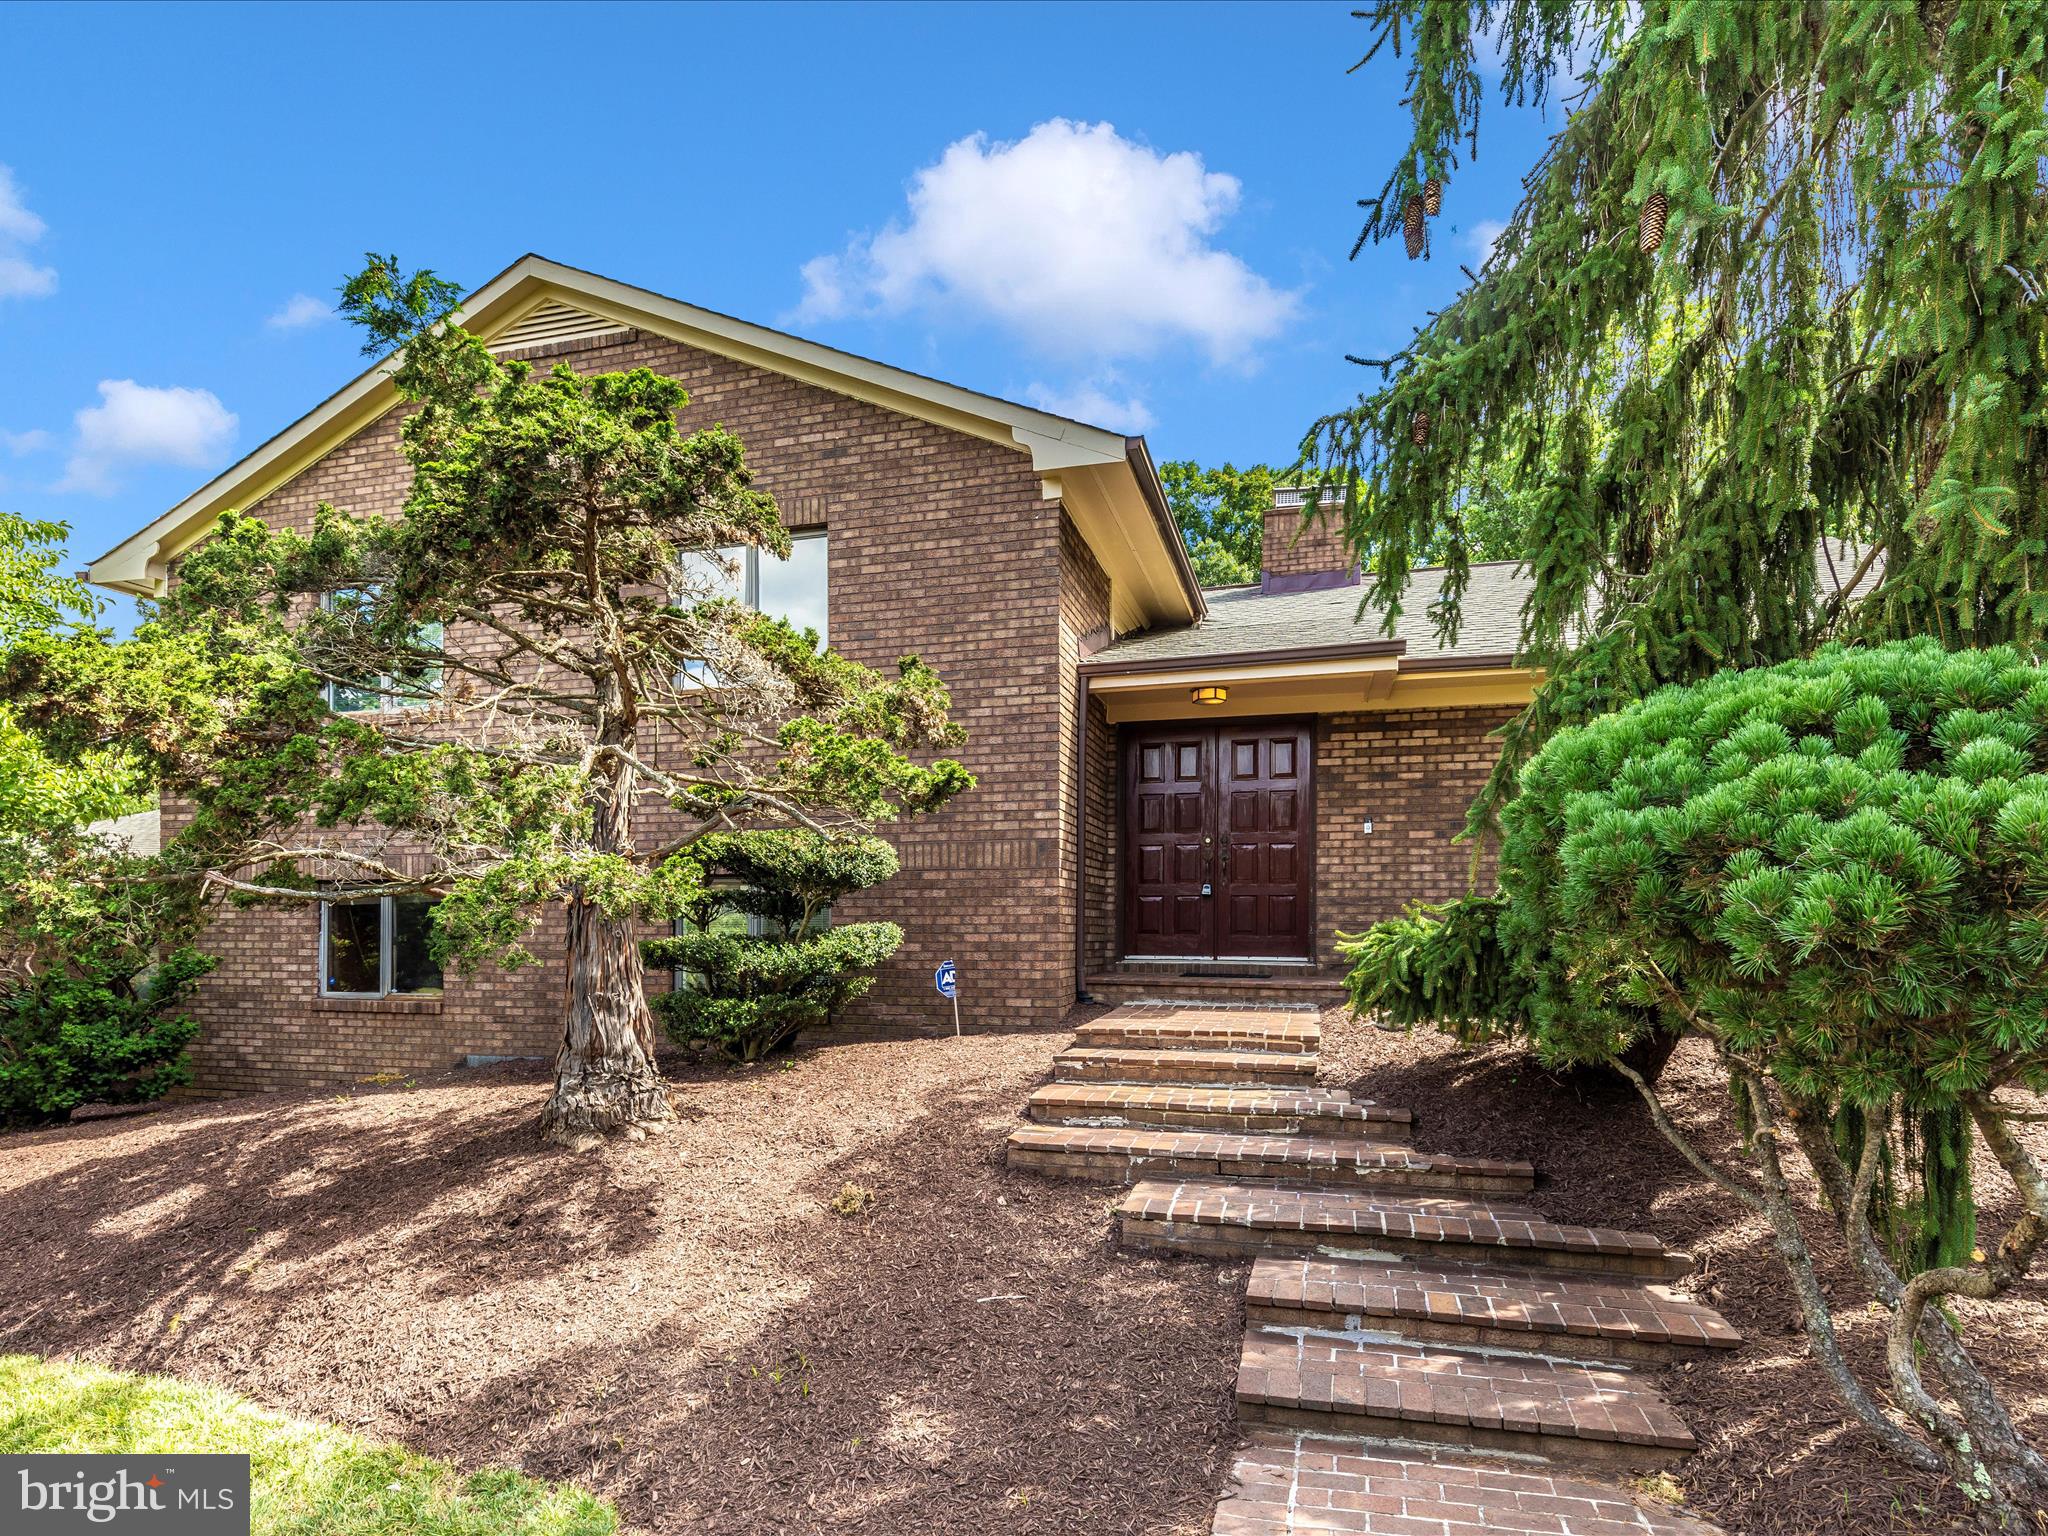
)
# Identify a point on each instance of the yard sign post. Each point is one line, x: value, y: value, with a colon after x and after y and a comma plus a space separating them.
x: 947, y: 980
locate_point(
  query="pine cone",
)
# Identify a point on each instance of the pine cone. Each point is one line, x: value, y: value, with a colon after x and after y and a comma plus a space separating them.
x: 1418, y: 429
x: 1432, y: 197
x: 1650, y: 223
x: 1411, y: 227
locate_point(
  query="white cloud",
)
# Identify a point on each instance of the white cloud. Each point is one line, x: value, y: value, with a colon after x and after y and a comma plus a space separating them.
x: 17, y: 224
x: 137, y: 424
x: 1083, y: 242
x: 1483, y: 237
x: 1095, y: 404
x: 20, y: 278
x: 34, y: 440
x: 300, y: 311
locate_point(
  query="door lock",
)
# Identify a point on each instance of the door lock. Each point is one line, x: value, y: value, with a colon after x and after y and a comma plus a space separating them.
x: 1205, y: 888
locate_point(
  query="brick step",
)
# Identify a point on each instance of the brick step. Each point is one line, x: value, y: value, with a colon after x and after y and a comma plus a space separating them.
x: 1254, y: 1111
x: 1227, y: 1220
x: 1336, y: 1164
x: 1288, y: 1483
x: 1109, y: 1064
x: 1368, y: 1384
x: 1172, y: 984
x: 1292, y: 1031
x: 1598, y: 1316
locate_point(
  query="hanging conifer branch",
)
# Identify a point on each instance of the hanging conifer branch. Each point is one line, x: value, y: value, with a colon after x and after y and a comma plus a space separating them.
x: 1835, y: 336
x: 1762, y: 356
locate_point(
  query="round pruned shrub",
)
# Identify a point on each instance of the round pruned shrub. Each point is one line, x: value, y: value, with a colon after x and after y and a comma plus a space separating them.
x: 748, y: 993
x: 1837, y: 867
x: 1835, y: 871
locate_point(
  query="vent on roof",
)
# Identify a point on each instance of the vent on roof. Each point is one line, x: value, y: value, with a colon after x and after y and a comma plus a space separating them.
x: 1295, y: 496
x: 555, y: 321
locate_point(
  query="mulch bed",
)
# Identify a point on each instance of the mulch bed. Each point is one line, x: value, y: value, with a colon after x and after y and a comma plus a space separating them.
x: 685, y: 1326
x: 682, y: 1325
x: 1775, y: 1454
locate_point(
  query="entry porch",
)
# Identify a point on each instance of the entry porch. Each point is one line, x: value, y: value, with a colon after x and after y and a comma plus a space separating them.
x: 1238, y: 810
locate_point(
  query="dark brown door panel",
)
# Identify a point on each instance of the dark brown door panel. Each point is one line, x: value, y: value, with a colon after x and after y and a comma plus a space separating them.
x: 1217, y: 851
x: 1169, y: 848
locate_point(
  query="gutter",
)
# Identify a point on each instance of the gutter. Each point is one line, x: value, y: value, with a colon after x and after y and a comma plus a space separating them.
x: 1139, y: 457
x: 1342, y: 651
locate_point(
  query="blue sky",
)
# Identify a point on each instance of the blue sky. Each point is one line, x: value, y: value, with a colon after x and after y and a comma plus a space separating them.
x: 1137, y: 214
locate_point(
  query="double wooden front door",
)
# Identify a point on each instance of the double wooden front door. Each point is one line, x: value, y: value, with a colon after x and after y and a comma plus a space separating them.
x: 1216, y: 840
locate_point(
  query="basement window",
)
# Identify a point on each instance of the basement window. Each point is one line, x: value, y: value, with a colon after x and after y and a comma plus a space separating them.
x: 377, y: 947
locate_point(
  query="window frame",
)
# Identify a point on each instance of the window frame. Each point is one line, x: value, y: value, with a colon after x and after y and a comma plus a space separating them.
x: 389, y: 698
x: 750, y: 576
x: 387, y: 948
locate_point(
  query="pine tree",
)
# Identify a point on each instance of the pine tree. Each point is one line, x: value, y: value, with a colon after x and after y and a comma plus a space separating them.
x: 1768, y: 328
x: 1838, y: 332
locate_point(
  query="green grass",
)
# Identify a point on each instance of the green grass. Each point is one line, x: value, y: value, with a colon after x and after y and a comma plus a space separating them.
x: 307, y: 1477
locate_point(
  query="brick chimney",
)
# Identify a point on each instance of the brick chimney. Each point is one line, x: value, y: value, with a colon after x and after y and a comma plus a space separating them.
x: 1300, y: 556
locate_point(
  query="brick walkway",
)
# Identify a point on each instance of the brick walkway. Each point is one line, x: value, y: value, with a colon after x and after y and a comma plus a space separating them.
x: 1298, y: 1484
x: 1423, y: 1351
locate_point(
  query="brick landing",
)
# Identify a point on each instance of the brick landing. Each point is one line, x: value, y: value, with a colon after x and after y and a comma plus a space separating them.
x: 1306, y: 1485
x: 1108, y: 1064
x: 1612, y: 1318
x: 1371, y: 1222
x: 1180, y: 1027
x: 1492, y: 1400
x: 1258, y: 1111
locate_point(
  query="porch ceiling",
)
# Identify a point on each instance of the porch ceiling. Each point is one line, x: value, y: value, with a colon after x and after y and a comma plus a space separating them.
x: 1377, y: 677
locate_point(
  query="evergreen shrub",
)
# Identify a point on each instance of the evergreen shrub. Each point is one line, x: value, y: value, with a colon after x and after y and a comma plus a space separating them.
x: 761, y: 962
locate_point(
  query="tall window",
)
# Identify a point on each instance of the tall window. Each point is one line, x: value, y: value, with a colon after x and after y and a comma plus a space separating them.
x: 386, y: 690
x: 376, y: 947
x: 792, y: 589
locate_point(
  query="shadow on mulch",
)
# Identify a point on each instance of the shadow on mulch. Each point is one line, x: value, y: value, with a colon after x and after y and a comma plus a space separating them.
x: 680, y: 1325
x: 1775, y: 1454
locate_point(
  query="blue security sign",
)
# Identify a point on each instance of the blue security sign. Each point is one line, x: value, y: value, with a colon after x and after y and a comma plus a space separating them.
x: 945, y: 979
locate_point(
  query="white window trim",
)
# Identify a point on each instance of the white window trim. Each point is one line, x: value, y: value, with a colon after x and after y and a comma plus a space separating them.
x: 387, y: 949
x: 750, y: 573
x: 389, y: 699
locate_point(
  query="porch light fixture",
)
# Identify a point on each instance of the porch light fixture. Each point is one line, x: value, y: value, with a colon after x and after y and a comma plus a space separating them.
x: 1212, y: 694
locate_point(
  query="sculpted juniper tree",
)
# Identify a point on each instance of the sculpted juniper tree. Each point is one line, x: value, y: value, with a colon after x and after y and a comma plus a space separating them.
x: 528, y: 689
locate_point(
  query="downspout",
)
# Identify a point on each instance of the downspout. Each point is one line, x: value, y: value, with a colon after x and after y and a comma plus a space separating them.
x: 1081, y: 838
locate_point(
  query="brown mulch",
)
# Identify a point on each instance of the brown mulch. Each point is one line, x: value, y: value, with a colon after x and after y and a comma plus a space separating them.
x: 1776, y: 1455
x: 685, y: 1326
x: 682, y: 1325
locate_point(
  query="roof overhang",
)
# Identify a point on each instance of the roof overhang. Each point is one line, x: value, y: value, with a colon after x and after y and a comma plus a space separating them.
x: 1106, y: 480
x: 1326, y: 680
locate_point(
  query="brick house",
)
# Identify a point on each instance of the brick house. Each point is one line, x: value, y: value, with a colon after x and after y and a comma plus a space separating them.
x: 1180, y: 791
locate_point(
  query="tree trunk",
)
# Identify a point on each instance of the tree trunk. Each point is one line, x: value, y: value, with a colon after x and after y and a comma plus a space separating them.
x: 606, y: 1079
x: 605, y: 1075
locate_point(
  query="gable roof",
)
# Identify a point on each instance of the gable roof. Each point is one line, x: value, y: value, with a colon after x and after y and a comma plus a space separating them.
x: 1104, y: 479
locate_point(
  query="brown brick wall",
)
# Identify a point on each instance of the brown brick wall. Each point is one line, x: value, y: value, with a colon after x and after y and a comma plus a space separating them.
x: 1084, y: 623
x: 1413, y: 773
x: 940, y: 545
x: 1103, y: 853
x: 1295, y: 548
